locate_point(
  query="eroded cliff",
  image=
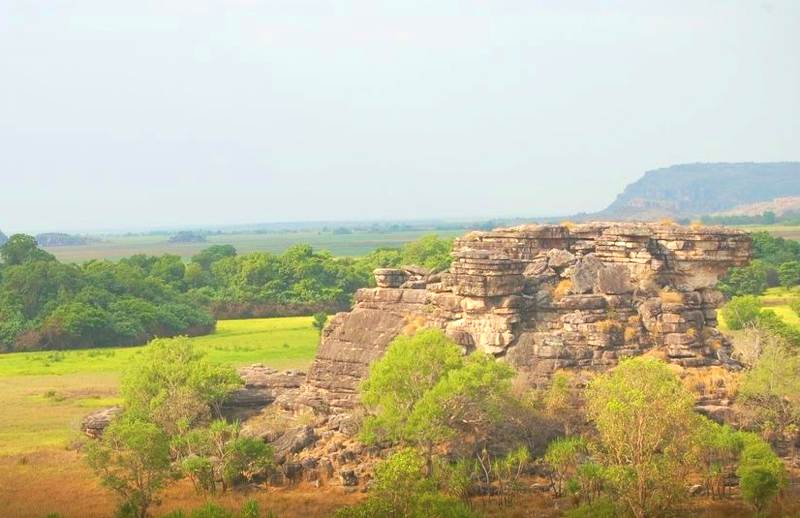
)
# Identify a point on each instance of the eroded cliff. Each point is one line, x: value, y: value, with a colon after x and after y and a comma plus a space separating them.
x: 545, y: 298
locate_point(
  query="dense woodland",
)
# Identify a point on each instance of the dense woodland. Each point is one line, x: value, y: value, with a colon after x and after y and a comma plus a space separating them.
x: 776, y: 262
x: 46, y: 304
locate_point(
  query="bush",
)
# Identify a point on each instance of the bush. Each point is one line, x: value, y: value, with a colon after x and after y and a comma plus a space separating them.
x: 600, y: 508
x: 741, y: 311
x: 761, y: 473
x: 564, y: 455
x: 747, y: 280
x: 401, y: 489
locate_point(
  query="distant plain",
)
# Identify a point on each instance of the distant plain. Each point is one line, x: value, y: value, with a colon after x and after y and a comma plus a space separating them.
x: 350, y: 245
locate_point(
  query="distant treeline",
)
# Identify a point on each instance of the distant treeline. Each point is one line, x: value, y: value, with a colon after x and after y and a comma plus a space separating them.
x: 767, y: 218
x: 46, y: 304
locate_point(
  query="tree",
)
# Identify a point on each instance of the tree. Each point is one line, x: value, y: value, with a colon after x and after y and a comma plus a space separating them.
x: 643, y: 417
x: 746, y: 280
x: 423, y: 392
x: 741, y: 311
x: 212, y: 254
x: 22, y: 248
x: 401, y: 490
x: 769, y: 393
x: 564, y: 455
x: 504, y: 471
x: 465, y: 404
x: 428, y: 251
x: 560, y: 402
x: 789, y: 274
x: 219, y: 454
x: 133, y: 460
x: 718, y: 450
x: 320, y: 319
x: 410, y: 367
x: 173, y: 385
x: 761, y: 473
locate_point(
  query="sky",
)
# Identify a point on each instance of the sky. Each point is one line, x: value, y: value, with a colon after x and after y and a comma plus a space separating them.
x: 169, y: 113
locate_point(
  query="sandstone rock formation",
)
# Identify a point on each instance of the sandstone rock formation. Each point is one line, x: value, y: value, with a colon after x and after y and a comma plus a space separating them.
x: 545, y: 297
x: 94, y: 424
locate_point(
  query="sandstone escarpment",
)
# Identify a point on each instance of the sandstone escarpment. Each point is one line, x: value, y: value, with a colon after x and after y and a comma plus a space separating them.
x: 545, y: 298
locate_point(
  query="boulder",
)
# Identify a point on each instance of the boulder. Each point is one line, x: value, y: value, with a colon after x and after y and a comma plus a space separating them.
x: 293, y: 441
x: 584, y: 275
x: 614, y: 279
x: 94, y: 424
x: 390, y: 277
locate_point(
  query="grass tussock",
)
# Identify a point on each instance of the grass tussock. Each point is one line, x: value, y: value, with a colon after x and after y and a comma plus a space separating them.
x: 562, y: 289
x: 670, y: 297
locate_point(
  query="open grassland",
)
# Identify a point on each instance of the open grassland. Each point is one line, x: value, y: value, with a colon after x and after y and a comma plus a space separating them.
x: 44, y: 395
x: 787, y: 231
x: 280, y: 342
x: 777, y: 300
x: 351, y: 245
x: 51, y: 481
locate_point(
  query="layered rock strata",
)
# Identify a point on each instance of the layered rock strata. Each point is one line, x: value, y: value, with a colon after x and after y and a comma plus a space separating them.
x: 545, y: 297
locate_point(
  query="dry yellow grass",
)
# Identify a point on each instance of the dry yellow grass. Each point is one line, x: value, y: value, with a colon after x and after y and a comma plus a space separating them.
x: 708, y: 380
x: 670, y: 297
x: 59, y: 481
x: 631, y: 334
x: 562, y: 290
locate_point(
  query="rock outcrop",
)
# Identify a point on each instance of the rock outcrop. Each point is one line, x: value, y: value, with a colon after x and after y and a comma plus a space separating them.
x: 545, y: 297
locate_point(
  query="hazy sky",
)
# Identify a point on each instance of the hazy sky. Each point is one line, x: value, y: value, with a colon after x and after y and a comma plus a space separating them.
x: 144, y: 113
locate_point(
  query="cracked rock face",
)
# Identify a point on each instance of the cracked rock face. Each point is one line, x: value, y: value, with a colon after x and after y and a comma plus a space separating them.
x: 545, y: 297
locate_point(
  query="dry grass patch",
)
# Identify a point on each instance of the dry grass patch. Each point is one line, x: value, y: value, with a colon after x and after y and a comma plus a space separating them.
x: 670, y: 297
x: 563, y: 289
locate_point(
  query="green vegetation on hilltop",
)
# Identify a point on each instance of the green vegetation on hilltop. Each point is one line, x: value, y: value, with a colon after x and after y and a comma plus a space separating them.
x: 46, y: 304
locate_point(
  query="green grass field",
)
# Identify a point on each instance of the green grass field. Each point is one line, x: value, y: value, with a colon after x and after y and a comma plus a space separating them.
x: 777, y: 300
x: 44, y: 395
x: 351, y: 245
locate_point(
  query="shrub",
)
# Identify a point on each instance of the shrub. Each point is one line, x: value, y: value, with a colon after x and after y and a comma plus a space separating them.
x: 741, y: 311
x: 761, y: 473
x: 133, y: 460
x: 562, y: 289
x: 600, y: 508
x: 564, y: 455
x: 643, y: 415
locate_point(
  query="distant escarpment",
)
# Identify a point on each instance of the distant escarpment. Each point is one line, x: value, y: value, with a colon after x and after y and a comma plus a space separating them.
x: 689, y: 190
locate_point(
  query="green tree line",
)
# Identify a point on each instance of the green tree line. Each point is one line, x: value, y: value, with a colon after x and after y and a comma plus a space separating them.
x: 776, y: 262
x: 46, y: 304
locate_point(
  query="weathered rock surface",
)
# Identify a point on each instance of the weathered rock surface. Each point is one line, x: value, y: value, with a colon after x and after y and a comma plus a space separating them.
x: 95, y: 423
x: 545, y: 297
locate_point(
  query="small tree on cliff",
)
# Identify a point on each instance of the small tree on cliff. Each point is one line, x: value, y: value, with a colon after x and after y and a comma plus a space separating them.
x: 646, y: 424
x: 424, y: 392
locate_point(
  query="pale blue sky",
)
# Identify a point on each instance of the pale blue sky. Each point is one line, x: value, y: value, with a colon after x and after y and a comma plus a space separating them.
x: 154, y: 113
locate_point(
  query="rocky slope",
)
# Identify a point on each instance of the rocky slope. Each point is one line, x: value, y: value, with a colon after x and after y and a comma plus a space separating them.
x: 690, y: 190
